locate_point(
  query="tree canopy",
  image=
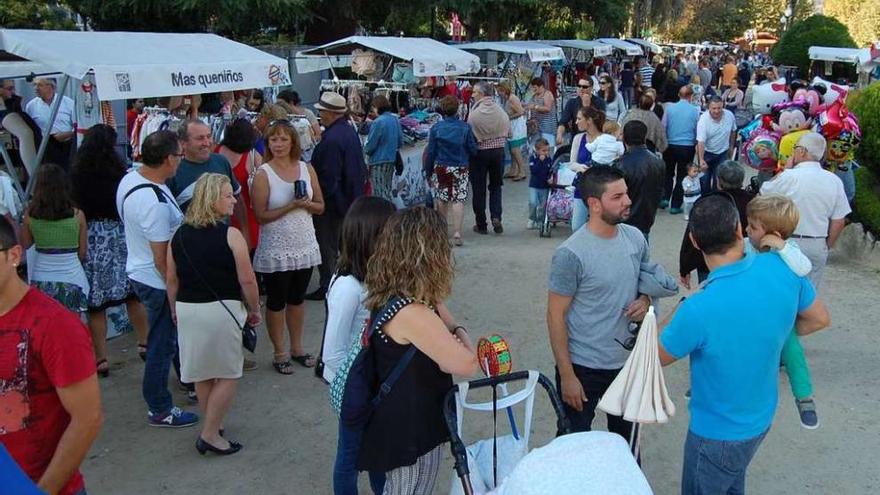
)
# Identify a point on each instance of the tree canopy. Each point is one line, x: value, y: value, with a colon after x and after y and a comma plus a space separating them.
x: 817, y: 30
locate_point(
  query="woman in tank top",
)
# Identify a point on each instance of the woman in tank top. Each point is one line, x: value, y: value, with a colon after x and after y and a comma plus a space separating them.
x: 405, y: 434
x: 210, y: 276
x: 58, y: 232
x: 286, y: 194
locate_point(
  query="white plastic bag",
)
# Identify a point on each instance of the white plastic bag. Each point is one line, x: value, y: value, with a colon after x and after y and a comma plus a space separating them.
x: 479, y: 456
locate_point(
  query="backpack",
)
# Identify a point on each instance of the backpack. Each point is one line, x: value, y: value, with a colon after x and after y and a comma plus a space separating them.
x: 356, y: 392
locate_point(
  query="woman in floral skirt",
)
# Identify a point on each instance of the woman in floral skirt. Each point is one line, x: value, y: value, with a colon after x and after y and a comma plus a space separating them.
x: 96, y: 172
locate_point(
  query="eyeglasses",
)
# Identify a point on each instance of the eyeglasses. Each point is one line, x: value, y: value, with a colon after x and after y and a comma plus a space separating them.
x: 630, y: 341
x: 585, y: 86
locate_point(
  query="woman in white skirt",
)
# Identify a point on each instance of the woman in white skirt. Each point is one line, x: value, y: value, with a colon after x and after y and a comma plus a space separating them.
x: 209, y: 267
x: 518, y: 138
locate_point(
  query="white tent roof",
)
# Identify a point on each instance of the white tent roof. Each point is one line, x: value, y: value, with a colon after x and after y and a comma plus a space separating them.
x: 598, y: 48
x: 535, y: 50
x: 18, y: 69
x: 834, y: 54
x: 626, y: 46
x: 137, y: 65
x: 429, y: 57
x: 646, y: 44
x: 869, y: 57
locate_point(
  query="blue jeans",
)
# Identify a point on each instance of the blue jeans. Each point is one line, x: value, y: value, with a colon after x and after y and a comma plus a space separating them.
x: 579, y: 214
x: 713, y: 467
x: 345, y: 473
x: 161, y: 347
x: 709, y: 182
x: 537, y: 201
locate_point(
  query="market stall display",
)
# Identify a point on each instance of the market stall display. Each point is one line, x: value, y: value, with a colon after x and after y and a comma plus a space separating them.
x: 412, y: 73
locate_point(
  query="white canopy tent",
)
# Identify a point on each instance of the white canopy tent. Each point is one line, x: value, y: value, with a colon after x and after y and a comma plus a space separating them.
x: 598, y: 49
x: 834, y: 54
x: 630, y: 49
x: 429, y: 57
x: 536, y: 51
x: 137, y: 65
x: 647, y: 45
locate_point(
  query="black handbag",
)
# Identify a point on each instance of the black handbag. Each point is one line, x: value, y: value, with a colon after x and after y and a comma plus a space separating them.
x: 248, y: 332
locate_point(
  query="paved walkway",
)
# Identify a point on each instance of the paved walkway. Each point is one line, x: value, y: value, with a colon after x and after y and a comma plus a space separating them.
x: 289, y: 431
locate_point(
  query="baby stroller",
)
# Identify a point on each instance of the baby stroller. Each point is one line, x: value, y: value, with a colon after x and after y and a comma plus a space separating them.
x: 595, y: 462
x: 506, y: 451
x: 558, y: 207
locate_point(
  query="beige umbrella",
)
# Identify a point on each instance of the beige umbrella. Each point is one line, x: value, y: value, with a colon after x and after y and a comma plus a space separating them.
x: 639, y: 393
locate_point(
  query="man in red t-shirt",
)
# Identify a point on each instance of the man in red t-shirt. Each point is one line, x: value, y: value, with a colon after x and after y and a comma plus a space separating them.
x: 50, y: 404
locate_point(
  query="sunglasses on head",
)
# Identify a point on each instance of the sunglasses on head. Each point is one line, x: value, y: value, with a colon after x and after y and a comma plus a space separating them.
x: 284, y: 122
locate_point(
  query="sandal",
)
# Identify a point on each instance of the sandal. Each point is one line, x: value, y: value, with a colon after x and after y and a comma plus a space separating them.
x: 456, y: 240
x: 103, y: 371
x: 142, y: 352
x: 305, y: 360
x: 284, y: 367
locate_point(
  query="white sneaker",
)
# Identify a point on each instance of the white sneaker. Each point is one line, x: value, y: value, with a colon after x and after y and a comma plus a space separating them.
x: 686, y: 218
x: 532, y: 225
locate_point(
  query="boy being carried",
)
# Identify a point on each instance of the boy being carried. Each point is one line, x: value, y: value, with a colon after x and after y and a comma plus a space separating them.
x: 772, y: 219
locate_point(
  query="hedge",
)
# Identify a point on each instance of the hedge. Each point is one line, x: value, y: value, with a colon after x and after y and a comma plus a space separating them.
x: 817, y: 30
x: 865, y: 103
x: 867, y: 201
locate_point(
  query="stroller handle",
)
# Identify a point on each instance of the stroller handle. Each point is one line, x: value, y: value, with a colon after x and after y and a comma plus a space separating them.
x: 459, y: 452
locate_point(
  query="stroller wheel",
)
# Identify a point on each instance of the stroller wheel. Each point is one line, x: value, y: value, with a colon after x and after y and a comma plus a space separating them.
x: 545, y: 227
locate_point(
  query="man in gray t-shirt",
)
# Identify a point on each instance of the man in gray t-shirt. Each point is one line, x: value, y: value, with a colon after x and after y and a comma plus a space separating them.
x: 593, y: 297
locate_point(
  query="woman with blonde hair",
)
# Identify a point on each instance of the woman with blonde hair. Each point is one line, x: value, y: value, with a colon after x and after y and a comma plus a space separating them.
x: 286, y: 194
x: 408, y: 277
x: 518, y: 135
x: 210, y: 283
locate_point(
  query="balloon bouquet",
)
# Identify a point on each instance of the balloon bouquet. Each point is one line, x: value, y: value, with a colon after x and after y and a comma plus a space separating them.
x: 786, y: 112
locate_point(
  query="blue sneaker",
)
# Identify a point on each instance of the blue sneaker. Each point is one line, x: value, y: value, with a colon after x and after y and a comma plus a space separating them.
x: 174, y: 418
x: 807, y: 412
x: 675, y: 211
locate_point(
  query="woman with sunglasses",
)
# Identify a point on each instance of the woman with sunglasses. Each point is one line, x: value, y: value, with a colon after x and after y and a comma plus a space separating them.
x: 568, y: 119
x: 615, y: 108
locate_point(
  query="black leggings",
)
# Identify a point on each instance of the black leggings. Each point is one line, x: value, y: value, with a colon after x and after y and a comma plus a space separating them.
x: 283, y: 288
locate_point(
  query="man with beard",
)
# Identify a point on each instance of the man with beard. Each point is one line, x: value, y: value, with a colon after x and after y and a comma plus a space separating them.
x: 594, y: 300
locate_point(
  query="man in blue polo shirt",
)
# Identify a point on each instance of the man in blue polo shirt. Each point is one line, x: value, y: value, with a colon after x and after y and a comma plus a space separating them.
x: 734, y: 352
x: 680, y: 120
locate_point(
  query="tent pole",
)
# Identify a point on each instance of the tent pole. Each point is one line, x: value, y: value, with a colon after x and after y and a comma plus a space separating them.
x: 331, y: 64
x: 47, y: 131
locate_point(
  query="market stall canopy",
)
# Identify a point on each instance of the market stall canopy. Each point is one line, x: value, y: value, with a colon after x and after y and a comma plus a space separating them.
x: 627, y: 47
x: 598, y: 49
x: 870, y: 57
x: 834, y: 54
x: 535, y: 50
x: 653, y: 48
x: 139, y: 65
x: 429, y: 57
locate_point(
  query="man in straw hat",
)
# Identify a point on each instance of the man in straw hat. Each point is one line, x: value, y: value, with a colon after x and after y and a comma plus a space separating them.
x: 339, y: 161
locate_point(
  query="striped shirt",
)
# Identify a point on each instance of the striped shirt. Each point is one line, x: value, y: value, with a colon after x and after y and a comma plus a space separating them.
x: 647, y: 74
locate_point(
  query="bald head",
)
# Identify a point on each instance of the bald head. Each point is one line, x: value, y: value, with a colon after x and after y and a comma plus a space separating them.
x: 686, y: 92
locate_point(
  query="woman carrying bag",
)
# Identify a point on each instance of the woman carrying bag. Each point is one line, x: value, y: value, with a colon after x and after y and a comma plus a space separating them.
x: 210, y: 280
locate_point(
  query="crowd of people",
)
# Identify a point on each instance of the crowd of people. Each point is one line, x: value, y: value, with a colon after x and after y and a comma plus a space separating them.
x: 193, y: 238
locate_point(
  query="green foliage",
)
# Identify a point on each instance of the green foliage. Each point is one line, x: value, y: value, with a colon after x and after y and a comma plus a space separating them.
x: 239, y: 19
x: 862, y: 17
x: 29, y: 14
x: 865, y: 104
x: 817, y: 30
x: 867, y: 201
